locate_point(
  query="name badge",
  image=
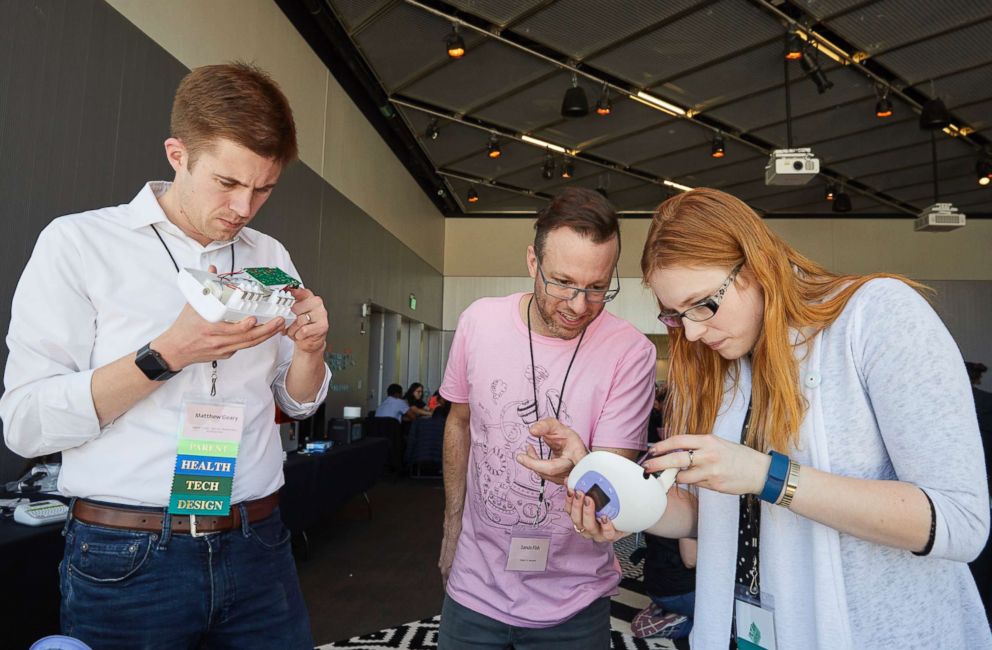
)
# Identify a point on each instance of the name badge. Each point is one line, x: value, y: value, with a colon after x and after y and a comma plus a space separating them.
x: 529, y: 548
x: 755, y: 622
x: 209, y: 438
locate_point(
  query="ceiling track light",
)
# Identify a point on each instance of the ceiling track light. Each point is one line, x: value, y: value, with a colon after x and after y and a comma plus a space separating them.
x: 492, y: 149
x: 472, y: 196
x: 568, y: 169
x: 842, y: 202
x: 793, y: 47
x: 548, y: 170
x: 604, y: 106
x: 433, y: 130
x: 813, y: 71
x: 934, y: 115
x: 983, y: 169
x: 718, y: 148
x: 575, y: 103
x: 454, y: 43
x: 883, y: 107
x: 829, y: 49
x: 831, y: 192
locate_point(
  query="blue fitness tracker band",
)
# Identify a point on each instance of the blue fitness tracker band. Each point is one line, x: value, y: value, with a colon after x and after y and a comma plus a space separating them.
x: 775, y: 481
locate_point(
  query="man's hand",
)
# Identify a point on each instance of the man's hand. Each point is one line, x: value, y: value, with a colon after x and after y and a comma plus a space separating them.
x: 452, y: 531
x: 567, y: 449
x: 191, y: 339
x: 309, y: 331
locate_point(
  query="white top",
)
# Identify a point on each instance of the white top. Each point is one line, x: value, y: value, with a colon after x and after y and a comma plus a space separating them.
x: 99, y: 285
x: 888, y: 399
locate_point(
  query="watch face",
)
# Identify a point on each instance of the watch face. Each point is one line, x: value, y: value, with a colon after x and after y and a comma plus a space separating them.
x: 150, y: 362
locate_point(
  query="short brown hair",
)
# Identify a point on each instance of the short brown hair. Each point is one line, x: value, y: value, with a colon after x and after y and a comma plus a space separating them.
x: 584, y: 211
x: 237, y: 102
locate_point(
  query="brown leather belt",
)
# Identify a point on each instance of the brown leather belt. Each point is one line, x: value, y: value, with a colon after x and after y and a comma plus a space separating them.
x: 112, y: 516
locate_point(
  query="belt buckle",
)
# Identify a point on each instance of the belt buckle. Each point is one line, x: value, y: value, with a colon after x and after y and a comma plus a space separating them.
x: 192, y: 528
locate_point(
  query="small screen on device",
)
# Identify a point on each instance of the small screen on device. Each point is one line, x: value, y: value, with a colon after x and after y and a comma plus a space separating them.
x: 599, y: 497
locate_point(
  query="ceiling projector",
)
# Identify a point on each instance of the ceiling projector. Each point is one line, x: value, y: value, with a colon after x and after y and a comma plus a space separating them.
x: 791, y: 167
x: 939, y: 217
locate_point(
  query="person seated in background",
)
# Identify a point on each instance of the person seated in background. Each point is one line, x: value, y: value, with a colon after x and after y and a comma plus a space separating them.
x: 440, y: 408
x: 394, y: 406
x: 415, y: 399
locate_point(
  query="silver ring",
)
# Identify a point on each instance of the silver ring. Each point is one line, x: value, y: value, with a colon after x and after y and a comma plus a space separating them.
x: 309, y: 318
x: 691, y: 452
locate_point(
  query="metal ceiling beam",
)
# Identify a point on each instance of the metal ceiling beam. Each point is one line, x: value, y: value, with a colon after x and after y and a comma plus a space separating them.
x: 860, y: 66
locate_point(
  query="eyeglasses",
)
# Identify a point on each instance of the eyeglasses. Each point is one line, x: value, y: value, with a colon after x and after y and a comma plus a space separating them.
x: 566, y: 292
x: 703, y: 310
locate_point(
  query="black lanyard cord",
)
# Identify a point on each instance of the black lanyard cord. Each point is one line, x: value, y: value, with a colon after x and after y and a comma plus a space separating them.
x: 166, y: 247
x: 533, y: 379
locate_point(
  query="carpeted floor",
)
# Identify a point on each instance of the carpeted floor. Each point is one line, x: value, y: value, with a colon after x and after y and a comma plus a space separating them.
x: 362, y: 575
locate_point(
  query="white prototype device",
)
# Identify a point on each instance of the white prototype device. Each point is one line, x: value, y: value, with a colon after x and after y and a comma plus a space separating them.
x: 40, y: 513
x: 791, y: 167
x: 621, y: 491
x: 940, y: 217
x: 232, y: 297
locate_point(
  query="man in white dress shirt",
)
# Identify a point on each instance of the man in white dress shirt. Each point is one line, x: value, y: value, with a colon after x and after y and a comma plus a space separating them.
x: 107, y: 362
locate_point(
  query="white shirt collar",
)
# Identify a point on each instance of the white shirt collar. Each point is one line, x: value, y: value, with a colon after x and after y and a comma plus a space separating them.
x: 145, y: 211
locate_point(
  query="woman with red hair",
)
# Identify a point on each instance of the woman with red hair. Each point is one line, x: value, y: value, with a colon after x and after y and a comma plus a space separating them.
x: 825, y: 426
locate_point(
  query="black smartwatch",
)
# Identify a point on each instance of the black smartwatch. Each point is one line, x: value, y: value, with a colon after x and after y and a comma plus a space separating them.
x: 153, y: 365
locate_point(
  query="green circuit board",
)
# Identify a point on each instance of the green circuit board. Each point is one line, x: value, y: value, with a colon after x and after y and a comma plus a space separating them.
x: 272, y: 277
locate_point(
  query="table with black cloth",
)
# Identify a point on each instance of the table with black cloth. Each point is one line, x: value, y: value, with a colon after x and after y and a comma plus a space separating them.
x: 316, y: 485
x: 29, y: 564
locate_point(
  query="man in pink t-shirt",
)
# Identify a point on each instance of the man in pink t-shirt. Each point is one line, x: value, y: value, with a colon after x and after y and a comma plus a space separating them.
x: 516, y: 571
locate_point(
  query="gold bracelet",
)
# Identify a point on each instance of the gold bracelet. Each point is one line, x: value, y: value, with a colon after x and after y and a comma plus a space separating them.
x: 790, y: 486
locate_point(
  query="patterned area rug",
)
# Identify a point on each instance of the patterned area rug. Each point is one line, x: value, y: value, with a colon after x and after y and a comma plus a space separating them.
x: 422, y: 635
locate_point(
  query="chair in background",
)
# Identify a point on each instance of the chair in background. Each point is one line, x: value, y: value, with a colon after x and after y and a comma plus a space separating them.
x: 425, y: 445
x: 388, y: 428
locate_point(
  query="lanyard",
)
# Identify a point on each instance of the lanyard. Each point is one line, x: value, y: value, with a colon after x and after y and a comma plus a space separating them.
x: 561, y: 395
x: 213, y: 364
x: 748, y: 532
x: 166, y: 247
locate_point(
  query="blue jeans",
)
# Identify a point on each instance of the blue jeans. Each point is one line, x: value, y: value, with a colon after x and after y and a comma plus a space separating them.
x: 143, y: 590
x: 465, y: 629
x: 681, y: 604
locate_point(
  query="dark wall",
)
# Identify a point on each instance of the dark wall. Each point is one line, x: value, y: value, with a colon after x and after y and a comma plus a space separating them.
x: 84, y: 108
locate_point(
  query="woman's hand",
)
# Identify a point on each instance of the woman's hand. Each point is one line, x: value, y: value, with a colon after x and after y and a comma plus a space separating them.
x: 712, y: 463
x: 582, y: 509
x: 567, y: 449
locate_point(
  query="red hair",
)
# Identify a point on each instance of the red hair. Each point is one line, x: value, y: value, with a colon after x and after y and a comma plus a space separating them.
x: 709, y: 228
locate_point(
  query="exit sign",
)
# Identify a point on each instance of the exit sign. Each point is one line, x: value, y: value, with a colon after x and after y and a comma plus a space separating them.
x: 413, y: 302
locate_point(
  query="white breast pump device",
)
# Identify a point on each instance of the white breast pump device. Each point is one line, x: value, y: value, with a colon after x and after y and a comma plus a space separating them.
x: 621, y: 491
